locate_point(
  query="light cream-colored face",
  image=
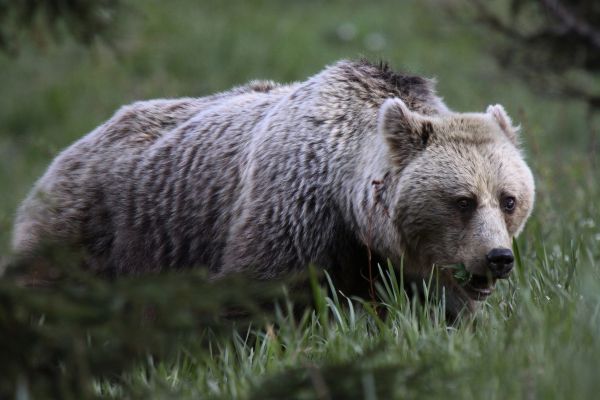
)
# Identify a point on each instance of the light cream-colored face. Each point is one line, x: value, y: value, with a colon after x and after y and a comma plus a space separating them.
x: 466, y: 200
x: 465, y: 192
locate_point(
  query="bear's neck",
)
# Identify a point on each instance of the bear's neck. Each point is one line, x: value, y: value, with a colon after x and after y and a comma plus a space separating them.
x: 367, y: 186
x: 359, y: 167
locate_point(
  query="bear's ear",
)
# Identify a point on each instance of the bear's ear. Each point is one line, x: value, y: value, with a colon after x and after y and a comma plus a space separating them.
x: 403, y: 130
x: 499, y: 115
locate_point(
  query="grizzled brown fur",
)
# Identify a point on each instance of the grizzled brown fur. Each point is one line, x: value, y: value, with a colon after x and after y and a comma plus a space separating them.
x: 268, y: 178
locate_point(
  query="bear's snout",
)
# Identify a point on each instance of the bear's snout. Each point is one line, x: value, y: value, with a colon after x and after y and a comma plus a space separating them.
x: 500, y: 262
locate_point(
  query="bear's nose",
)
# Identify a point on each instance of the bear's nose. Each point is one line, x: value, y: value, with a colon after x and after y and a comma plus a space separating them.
x: 500, y: 261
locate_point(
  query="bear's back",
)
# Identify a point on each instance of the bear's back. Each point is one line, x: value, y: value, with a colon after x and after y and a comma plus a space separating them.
x: 107, y: 189
x: 168, y: 196
x: 142, y: 123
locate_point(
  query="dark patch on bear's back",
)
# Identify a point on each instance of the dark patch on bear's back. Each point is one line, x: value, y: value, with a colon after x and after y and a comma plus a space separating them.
x: 402, y: 83
x: 426, y: 131
x: 395, y: 81
x: 375, y: 82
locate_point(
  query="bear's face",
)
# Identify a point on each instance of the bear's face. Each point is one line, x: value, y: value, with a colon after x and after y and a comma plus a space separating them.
x: 464, y: 190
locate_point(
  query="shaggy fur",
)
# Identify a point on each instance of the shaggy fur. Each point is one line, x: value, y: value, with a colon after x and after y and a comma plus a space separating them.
x: 269, y: 178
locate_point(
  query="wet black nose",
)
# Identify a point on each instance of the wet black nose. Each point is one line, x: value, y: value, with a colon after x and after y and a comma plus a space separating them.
x: 500, y: 261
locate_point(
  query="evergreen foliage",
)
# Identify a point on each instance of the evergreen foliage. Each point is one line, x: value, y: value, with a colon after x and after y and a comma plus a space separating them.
x: 60, y: 335
x: 554, y: 45
x: 44, y: 20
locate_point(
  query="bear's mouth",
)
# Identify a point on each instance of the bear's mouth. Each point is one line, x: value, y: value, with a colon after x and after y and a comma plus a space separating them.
x: 479, y: 287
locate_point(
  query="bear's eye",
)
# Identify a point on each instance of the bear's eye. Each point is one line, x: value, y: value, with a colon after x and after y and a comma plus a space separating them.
x: 466, y: 204
x: 508, y: 204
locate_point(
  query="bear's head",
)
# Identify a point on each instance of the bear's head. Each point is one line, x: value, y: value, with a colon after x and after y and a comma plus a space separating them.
x: 462, y: 190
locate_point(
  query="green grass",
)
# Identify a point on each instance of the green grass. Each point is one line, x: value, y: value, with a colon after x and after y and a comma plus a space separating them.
x: 537, y: 337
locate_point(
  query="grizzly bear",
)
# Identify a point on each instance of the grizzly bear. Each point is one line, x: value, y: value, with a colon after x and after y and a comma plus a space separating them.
x: 357, y: 164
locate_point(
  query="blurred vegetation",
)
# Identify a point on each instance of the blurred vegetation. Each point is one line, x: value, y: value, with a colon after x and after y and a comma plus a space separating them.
x: 535, y: 338
x: 41, y: 20
x: 553, y: 45
x: 59, y: 335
